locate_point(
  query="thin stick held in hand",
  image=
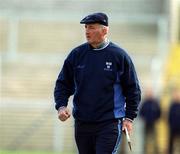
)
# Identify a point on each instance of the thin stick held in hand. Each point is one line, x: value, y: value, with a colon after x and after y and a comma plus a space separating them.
x: 128, y: 138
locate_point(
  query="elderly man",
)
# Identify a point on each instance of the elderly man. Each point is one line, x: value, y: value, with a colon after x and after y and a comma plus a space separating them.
x: 102, y: 78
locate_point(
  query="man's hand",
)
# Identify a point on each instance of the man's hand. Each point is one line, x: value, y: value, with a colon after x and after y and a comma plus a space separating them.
x: 128, y: 124
x: 63, y: 113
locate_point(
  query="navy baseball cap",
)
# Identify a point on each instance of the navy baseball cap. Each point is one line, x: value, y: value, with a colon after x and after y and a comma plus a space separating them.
x: 99, y: 17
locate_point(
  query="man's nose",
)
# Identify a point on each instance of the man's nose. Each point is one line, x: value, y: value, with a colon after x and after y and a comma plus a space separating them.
x: 87, y: 30
x: 87, y: 33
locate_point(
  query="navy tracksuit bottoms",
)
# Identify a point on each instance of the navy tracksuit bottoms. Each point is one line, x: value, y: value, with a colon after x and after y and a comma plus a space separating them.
x: 99, y: 137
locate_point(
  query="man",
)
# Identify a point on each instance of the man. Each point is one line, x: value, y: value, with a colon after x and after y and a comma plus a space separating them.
x: 174, y: 124
x: 150, y: 113
x: 102, y: 78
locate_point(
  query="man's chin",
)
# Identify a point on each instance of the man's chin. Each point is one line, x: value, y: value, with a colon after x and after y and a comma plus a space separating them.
x: 90, y: 42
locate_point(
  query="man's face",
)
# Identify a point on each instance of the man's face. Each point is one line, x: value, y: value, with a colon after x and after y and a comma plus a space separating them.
x: 95, y: 33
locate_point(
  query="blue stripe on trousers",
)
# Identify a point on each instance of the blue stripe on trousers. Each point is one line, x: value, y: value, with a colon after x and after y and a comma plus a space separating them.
x: 117, y: 145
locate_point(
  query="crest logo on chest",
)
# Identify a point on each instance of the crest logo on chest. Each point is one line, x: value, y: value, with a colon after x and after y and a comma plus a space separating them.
x: 108, y: 66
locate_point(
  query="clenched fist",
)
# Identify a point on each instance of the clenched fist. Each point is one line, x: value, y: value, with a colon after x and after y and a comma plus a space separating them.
x: 63, y: 113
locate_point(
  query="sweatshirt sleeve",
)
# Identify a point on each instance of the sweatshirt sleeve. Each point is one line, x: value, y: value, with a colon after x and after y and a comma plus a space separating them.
x: 131, y: 89
x: 64, y: 86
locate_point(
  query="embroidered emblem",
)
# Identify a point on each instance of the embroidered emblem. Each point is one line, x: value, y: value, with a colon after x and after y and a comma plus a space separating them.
x: 108, y: 66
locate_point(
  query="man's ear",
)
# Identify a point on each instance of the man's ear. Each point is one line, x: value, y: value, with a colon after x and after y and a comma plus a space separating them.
x: 106, y: 30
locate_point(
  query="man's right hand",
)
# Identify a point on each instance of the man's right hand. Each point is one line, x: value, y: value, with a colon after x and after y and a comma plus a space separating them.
x: 63, y: 113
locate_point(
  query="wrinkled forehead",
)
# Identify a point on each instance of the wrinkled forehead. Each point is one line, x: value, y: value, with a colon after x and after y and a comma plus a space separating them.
x: 94, y: 25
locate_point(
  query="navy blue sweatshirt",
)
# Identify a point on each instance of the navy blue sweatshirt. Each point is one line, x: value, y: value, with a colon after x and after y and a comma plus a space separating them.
x: 174, y: 116
x: 104, y: 84
x: 150, y: 111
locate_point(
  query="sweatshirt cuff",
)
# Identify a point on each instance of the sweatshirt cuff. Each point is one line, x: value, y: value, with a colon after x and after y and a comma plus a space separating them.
x: 128, y: 119
x: 61, y: 107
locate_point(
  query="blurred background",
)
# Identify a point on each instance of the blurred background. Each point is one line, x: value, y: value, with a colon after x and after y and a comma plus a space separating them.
x: 35, y: 38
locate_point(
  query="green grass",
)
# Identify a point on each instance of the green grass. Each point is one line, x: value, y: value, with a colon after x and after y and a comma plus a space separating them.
x: 30, y: 152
